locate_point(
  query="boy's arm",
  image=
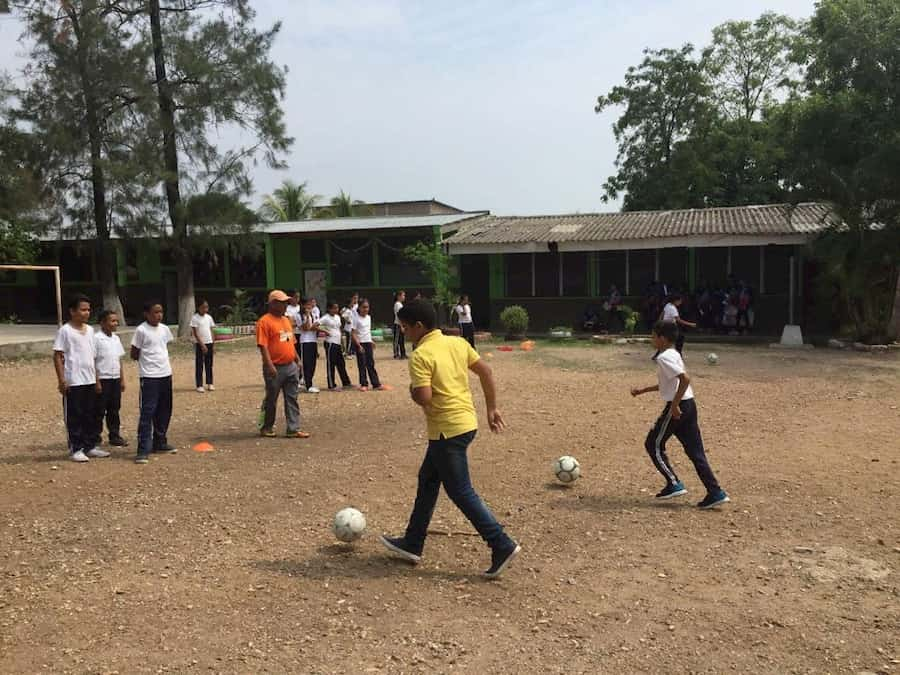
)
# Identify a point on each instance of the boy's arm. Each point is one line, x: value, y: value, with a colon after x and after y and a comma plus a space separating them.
x: 135, y: 353
x: 483, y: 371
x: 268, y: 366
x: 683, y: 382
x: 646, y: 390
x: 682, y: 322
x: 122, y: 378
x: 59, y: 364
x: 421, y: 395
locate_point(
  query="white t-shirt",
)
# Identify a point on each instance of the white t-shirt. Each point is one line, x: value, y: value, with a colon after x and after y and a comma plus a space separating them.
x: 204, y: 324
x: 316, y: 313
x: 307, y: 336
x: 79, y: 352
x: 669, y: 365
x: 153, y: 342
x: 108, y: 350
x: 363, y: 327
x: 464, y: 312
x: 670, y: 313
x: 397, y: 307
x: 331, y: 325
x: 294, y: 312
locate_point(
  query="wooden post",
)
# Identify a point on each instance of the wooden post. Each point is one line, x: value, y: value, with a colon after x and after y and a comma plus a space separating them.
x: 791, y: 283
x: 762, y: 270
x: 628, y: 274
x: 532, y: 274
x: 58, y: 283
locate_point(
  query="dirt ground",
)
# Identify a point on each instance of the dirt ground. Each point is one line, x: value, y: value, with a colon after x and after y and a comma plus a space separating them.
x: 224, y: 561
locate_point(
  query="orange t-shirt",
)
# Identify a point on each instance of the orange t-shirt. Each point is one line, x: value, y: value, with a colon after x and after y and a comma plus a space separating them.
x: 277, y: 333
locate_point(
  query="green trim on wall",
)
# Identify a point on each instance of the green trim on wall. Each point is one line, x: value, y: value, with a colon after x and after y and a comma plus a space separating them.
x: 270, y: 261
x: 497, y: 282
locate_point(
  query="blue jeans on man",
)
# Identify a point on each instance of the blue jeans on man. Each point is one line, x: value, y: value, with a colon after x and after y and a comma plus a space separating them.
x: 446, y: 464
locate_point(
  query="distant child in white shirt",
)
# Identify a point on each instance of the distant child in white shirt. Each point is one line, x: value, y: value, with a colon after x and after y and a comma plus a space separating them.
x: 399, y: 340
x: 74, y: 354
x: 670, y: 314
x: 679, y: 417
x: 110, y: 377
x: 309, y: 345
x: 316, y: 312
x: 466, y: 326
x: 292, y: 312
x: 334, y: 358
x: 365, y: 348
x: 202, y: 325
x: 150, y: 348
x: 347, y: 315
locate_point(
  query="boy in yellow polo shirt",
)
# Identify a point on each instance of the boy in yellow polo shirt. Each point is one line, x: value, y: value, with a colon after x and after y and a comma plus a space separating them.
x: 439, y: 383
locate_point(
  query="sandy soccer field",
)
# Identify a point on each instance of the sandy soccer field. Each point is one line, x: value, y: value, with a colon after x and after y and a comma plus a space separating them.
x: 224, y: 562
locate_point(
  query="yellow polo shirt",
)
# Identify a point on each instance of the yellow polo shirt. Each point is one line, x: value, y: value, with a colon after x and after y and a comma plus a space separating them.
x: 442, y: 363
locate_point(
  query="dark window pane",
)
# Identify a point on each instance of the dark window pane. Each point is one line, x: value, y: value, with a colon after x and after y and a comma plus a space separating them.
x: 611, y: 270
x: 575, y: 274
x: 778, y: 277
x: 673, y: 268
x: 312, y: 250
x: 394, y: 268
x: 518, y: 275
x: 745, y: 264
x: 546, y: 275
x: 351, y: 262
x: 712, y: 266
x: 75, y: 263
x: 209, y: 269
x: 642, y: 270
x: 249, y: 269
x: 132, y: 273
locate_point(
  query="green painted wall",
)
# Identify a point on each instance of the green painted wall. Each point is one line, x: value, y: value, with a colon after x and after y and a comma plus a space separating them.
x: 148, y: 261
x: 286, y: 259
x: 270, y: 262
x: 498, y: 285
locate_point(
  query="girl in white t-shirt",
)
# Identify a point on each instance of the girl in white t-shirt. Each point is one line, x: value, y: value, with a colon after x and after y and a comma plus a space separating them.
x: 202, y: 325
x: 347, y: 315
x: 309, y: 345
x: 399, y: 341
x: 365, y: 348
x: 330, y: 324
x: 466, y: 326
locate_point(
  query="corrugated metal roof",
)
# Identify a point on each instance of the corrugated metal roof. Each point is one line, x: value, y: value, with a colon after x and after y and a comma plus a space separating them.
x: 770, y: 219
x: 366, y: 223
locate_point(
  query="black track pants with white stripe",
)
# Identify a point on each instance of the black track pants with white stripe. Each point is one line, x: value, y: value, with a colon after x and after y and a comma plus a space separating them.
x: 78, y: 410
x: 687, y: 431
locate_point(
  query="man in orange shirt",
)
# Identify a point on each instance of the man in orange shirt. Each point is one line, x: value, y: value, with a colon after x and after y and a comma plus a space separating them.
x: 281, y: 368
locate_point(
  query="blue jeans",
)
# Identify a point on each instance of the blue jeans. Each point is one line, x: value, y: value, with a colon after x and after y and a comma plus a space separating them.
x: 446, y: 464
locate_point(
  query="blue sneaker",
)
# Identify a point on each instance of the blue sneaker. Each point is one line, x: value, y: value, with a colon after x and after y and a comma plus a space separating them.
x: 712, y: 500
x: 674, y: 490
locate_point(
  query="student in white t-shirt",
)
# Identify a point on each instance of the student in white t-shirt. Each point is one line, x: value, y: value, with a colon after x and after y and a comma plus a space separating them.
x: 678, y: 418
x: 334, y: 358
x: 309, y: 345
x: 670, y: 314
x: 365, y: 348
x: 110, y: 376
x: 202, y: 325
x: 399, y: 340
x: 73, y: 358
x: 292, y: 312
x: 348, y: 314
x: 466, y: 326
x: 316, y: 312
x: 150, y: 348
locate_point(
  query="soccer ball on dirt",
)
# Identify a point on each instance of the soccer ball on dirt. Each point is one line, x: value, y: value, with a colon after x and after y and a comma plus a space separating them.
x: 567, y: 469
x: 349, y: 525
x: 712, y: 358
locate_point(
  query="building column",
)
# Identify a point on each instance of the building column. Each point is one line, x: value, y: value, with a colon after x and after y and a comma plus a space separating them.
x: 692, y: 269
x: 656, y: 264
x: 627, y: 273
x: 593, y: 277
x: 728, y: 262
x: 376, y: 273
x: 270, y: 262
x: 762, y: 270
x: 533, y: 262
x: 560, y: 274
x: 497, y: 284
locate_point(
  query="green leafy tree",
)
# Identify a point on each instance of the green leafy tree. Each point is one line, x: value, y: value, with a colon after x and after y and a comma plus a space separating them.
x: 844, y: 136
x: 211, y: 68
x: 288, y: 203
x: 437, y: 265
x: 343, y: 206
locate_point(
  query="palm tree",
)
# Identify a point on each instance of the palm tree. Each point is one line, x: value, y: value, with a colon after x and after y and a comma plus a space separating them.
x: 288, y: 203
x: 344, y: 206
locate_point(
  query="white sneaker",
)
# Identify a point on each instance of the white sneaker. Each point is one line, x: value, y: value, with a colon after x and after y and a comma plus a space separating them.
x: 313, y: 390
x: 79, y: 457
x: 200, y: 390
x: 210, y: 387
x: 97, y: 452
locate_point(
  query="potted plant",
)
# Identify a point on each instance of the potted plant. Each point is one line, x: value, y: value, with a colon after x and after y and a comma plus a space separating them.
x: 238, y: 314
x: 629, y: 318
x: 515, y: 320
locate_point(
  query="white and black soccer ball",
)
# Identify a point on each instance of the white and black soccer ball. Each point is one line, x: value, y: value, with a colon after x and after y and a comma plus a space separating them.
x: 349, y: 525
x: 712, y: 358
x: 567, y: 469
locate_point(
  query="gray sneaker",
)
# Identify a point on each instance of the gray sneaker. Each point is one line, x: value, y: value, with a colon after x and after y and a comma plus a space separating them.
x: 97, y: 453
x: 79, y: 456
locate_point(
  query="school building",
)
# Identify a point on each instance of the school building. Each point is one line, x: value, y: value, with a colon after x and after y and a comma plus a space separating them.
x: 554, y: 266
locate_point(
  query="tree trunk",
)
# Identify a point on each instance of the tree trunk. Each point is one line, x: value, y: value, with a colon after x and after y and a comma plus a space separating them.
x: 893, y: 329
x: 105, y: 254
x: 183, y: 267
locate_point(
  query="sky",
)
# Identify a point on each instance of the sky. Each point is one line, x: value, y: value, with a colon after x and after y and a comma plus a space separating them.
x: 479, y: 104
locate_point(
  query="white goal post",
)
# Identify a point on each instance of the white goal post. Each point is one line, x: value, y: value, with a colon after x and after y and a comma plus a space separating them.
x: 56, y: 278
